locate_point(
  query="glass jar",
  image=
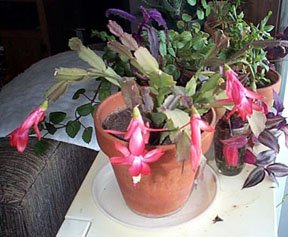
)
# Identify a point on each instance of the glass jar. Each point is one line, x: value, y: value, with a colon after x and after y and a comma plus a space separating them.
x: 225, y: 129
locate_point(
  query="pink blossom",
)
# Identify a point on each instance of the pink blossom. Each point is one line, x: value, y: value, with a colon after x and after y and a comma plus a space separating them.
x: 19, y: 136
x: 139, y: 164
x: 138, y: 133
x: 197, y: 125
x: 244, y: 99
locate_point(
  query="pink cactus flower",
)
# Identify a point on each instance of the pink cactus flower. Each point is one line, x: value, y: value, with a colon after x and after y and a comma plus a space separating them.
x: 19, y: 136
x: 245, y: 100
x: 137, y: 132
x: 197, y: 125
x: 139, y: 164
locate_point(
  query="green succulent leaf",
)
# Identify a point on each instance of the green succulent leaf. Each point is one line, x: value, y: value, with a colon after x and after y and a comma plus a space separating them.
x: 87, y: 134
x: 191, y: 86
x: 183, y: 146
x: 57, y: 117
x: 179, y: 118
x: 72, y: 128
x: 87, y: 54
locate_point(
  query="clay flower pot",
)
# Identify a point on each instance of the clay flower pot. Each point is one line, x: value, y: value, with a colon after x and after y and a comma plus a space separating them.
x: 267, y: 91
x: 167, y: 188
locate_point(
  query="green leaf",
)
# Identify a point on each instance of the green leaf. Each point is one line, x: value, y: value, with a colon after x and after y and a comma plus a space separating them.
x: 55, y: 91
x: 40, y: 147
x: 87, y: 134
x: 180, y: 24
x: 72, y: 128
x: 104, y: 90
x: 192, y: 2
x: 85, y: 109
x: 191, y: 87
x: 158, y: 118
x: 186, y: 17
x: 178, y: 118
x: 50, y: 128
x: 200, y: 14
x: 57, y: 117
x: 204, y: 4
x: 71, y: 74
x: 78, y: 93
x: 183, y: 146
x: 146, y: 61
x: 211, y: 84
x: 87, y: 54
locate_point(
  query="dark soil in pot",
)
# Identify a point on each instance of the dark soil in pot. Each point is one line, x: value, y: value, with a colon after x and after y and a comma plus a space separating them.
x: 120, y: 120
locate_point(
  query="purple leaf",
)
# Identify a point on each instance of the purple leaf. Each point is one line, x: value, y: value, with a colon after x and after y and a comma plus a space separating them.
x: 266, y: 157
x: 268, y: 139
x: 115, y: 28
x: 183, y: 147
x: 274, y: 121
x: 237, y: 142
x: 171, y: 102
x: 255, y: 177
x: 148, y: 16
x: 153, y: 41
x: 121, y: 13
x: 278, y: 104
x: 148, y: 103
x: 278, y: 169
x: 156, y: 16
x: 249, y: 157
x: 130, y: 92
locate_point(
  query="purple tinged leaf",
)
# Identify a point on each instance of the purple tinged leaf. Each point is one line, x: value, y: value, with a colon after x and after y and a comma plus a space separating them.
x: 115, y: 28
x: 183, y: 146
x: 268, y: 139
x: 130, y: 92
x: 171, y: 102
x: 266, y: 157
x: 148, y: 16
x: 156, y: 16
x: 255, y: 177
x: 121, y: 13
x: 128, y: 40
x: 153, y: 41
x: 272, y: 177
x: 278, y: 104
x: 278, y: 169
x: 120, y: 48
x: 148, y: 103
x: 236, y: 142
x: 275, y: 121
x: 249, y: 157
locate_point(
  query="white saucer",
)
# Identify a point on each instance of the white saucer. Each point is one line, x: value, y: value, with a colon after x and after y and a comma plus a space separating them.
x: 108, y: 198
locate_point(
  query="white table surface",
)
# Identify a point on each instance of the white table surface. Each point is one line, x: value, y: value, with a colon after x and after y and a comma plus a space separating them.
x: 245, y: 213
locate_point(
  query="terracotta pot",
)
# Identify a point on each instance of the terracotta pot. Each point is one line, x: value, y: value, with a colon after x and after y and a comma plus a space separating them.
x: 167, y: 188
x: 267, y: 92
